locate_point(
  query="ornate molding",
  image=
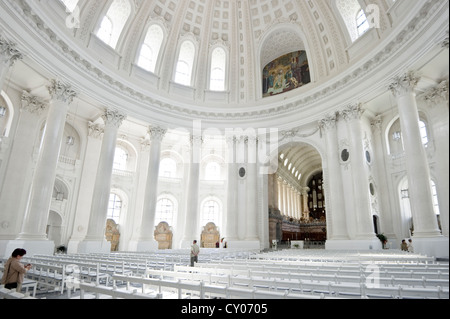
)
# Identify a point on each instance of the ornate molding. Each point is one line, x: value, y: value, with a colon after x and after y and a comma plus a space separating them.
x: 95, y: 130
x: 32, y: 104
x: 8, y: 52
x: 328, y: 122
x: 437, y: 94
x: 412, y: 29
x: 61, y: 91
x: 156, y: 133
x: 352, y: 111
x: 113, y: 117
x: 405, y: 83
x: 376, y: 123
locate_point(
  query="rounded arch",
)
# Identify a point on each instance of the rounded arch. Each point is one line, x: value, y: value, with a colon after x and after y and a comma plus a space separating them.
x: 270, y: 49
x: 211, y: 210
x: 216, y: 67
x: 132, y: 154
x: 186, y: 61
x: 164, y: 213
x: 156, y: 23
x: 125, y: 9
x: 177, y: 158
x: 124, y: 198
x: 213, y: 161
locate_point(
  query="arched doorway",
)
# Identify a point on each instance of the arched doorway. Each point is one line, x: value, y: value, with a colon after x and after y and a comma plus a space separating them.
x: 297, y: 192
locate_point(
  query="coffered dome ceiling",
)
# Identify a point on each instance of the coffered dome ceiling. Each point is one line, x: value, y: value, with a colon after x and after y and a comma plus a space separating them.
x: 63, y: 38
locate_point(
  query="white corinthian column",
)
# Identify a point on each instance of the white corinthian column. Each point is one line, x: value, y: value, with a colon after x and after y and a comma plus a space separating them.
x: 147, y: 241
x: 34, y: 225
x: 336, y: 218
x: 191, y: 229
x: 95, y: 240
x: 365, y: 235
x: 427, y: 236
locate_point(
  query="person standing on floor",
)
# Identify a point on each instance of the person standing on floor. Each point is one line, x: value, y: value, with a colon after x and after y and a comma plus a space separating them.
x: 195, y: 250
x: 410, y: 246
x: 14, y: 270
x: 404, y: 245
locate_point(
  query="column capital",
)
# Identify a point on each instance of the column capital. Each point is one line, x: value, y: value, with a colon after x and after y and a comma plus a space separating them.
x: 95, y: 130
x: 196, y: 140
x: 437, y: 94
x: 61, y: 91
x: 230, y: 139
x: 113, y: 117
x: 376, y: 123
x: 352, y: 111
x: 32, y: 104
x: 156, y: 133
x: 405, y: 83
x: 8, y: 52
x: 328, y: 122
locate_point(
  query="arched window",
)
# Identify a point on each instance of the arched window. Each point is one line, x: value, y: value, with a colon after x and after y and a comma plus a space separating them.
x: 114, y: 207
x: 185, y: 64
x: 120, y: 159
x: 423, y: 132
x: 352, y: 16
x: 362, y: 25
x: 70, y: 4
x: 164, y: 211
x: 212, y: 171
x: 114, y: 21
x: 218, y: 74
x: 150, y: 48
x: 168, y: 168
x: 210, y: 212
x: 435, y: 198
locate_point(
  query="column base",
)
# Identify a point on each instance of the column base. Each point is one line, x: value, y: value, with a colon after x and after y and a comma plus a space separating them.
x: 432, y: 246
x: 359, y: 244
x: 33, y: 247
x: 147, y: 245
x: 94, y: 246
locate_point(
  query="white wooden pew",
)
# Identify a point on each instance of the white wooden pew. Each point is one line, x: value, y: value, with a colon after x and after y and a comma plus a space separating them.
x: 101, y: 291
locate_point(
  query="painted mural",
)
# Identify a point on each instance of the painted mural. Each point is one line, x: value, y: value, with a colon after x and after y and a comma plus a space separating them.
x: 286, y: 73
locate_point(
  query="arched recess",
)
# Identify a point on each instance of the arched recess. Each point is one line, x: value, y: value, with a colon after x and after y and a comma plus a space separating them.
x: 54, y: 228
x: 282, y: 39
x: 157, y: 22
x: 307, y: 158
x: 203, y: 220
x: 177, y: 158
x: 132, y: 154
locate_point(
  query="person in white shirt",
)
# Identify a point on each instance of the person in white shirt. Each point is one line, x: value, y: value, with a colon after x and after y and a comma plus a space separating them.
x: 410, y: 246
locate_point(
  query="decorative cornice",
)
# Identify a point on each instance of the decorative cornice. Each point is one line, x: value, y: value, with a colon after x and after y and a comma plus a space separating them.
x: 32, y: 104
x: 411, y: 30
x: 405, y: 83
x: 113, y: 117
x: 61, y: 91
